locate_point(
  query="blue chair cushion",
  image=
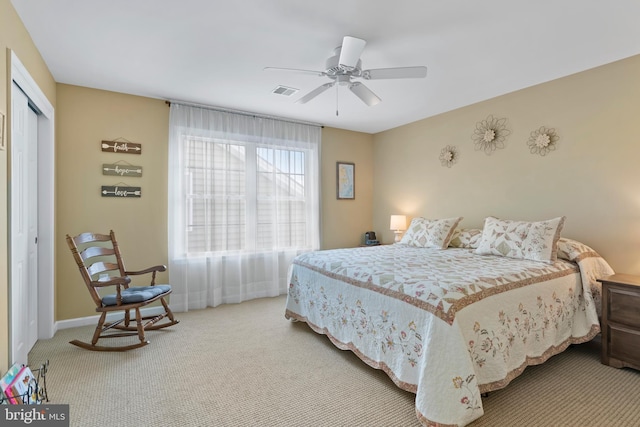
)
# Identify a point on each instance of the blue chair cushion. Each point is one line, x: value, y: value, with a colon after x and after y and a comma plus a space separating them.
x: 136, y: 294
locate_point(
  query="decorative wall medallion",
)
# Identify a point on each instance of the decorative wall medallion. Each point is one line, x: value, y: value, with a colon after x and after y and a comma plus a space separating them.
x: 449, y: 155
x: 542, y: 141
x: 490, y: 134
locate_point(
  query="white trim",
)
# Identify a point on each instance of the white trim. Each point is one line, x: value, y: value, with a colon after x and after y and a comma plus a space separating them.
x: 46, y: 196
x: 93, y: 320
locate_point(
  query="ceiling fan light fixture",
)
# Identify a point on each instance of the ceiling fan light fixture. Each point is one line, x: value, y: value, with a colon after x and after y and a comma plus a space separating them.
x: 343, y: 80
x: 345, y: 65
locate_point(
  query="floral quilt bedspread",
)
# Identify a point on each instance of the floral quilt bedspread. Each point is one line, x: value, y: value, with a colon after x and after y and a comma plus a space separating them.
x: 448, y: 325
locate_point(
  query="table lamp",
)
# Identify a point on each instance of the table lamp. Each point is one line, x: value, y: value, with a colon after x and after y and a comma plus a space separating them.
x: 398, y: 224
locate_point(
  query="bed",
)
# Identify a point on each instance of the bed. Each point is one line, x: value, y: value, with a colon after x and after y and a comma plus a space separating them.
x: 451, y: 314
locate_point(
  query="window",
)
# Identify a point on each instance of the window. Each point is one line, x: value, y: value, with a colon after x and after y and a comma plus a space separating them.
x: 244, y: 201
x: 245, y: 197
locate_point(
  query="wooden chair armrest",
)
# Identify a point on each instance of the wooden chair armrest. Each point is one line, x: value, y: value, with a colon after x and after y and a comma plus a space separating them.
x: 117, y: 281
x: 153, y: 269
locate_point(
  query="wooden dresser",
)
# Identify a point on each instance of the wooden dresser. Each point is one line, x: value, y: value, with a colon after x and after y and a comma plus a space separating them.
x: 621, y: 321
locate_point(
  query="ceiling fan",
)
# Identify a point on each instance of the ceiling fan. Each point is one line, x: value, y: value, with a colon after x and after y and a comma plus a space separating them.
x: 345, y: 65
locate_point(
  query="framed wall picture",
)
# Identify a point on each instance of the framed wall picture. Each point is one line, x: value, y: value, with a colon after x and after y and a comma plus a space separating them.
x: 345, y: 181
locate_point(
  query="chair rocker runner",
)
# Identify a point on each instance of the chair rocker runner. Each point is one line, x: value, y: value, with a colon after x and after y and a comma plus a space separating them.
x: 101, y: 266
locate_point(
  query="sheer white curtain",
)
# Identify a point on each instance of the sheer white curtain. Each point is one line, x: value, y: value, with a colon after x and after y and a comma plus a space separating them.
x: 243, y: 202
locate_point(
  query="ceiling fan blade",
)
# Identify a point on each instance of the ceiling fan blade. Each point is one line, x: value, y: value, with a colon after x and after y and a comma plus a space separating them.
x: 364, y: 93
x: 395, y: 73
x: 350, y: 51
x: 317, y: 91
x: 295, y: 70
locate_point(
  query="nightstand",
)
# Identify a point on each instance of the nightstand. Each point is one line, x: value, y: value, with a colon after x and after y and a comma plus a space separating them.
x: 621, y: 321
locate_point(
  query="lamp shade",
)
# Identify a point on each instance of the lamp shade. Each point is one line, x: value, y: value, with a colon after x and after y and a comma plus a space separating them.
x: 398, y: 222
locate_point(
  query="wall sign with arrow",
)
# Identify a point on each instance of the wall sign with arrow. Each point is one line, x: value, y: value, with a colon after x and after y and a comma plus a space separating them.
x: 121, y: 169
x: 120, y: 191
x: 126, y: 147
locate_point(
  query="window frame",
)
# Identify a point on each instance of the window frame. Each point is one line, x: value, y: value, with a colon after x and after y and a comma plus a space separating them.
x: 251, y: 197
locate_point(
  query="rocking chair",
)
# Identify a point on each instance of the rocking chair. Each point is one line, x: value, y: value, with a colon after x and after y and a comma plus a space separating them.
x: 109, y: 271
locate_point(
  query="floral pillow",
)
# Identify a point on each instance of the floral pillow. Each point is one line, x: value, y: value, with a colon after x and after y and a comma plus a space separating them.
x: 467, y: 238
x: 572, y: 250
x: 430, y: 233
x: 536, y: 241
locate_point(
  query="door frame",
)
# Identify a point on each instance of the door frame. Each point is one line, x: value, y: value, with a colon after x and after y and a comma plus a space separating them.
x: 46, y: 201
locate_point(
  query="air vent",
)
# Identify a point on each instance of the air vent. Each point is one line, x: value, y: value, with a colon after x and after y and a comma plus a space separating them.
x: 284, y: 90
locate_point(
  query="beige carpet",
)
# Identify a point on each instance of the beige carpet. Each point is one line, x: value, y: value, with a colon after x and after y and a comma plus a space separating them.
x: 246, y: 365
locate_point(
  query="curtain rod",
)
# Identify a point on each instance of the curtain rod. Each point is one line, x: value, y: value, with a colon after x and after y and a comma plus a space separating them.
x: 244, y: 113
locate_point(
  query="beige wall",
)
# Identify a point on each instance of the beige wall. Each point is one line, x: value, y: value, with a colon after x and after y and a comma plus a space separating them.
x: 593, y: 177
x: 344, y: 221
x: 85, y: 118
x: 13, y: 37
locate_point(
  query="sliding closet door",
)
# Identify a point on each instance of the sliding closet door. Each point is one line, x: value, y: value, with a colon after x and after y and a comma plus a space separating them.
x: 23, y: 226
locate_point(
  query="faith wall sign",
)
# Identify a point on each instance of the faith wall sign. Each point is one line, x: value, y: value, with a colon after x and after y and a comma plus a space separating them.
x: 121, y: 147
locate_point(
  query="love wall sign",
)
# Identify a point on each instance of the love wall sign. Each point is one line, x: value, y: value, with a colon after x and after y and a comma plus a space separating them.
x: 120, y: 191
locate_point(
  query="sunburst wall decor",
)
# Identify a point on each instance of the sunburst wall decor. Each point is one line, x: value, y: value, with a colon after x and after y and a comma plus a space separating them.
x: 490, y: 134
x: 449, y: 155
x: 542, y: 141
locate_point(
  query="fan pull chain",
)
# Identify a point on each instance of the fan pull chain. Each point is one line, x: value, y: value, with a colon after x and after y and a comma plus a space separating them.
x: 337, y: 100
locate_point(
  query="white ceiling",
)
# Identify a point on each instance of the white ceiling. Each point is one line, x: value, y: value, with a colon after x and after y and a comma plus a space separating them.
x: 212, y: 52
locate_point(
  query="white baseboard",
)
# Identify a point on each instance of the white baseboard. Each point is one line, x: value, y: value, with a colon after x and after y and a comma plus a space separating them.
x: 93, y: 320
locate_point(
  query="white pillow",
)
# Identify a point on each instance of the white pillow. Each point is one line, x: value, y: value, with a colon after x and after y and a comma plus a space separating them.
x: 536, y: 241
x: 467, y: 238
x: 430, y: 233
